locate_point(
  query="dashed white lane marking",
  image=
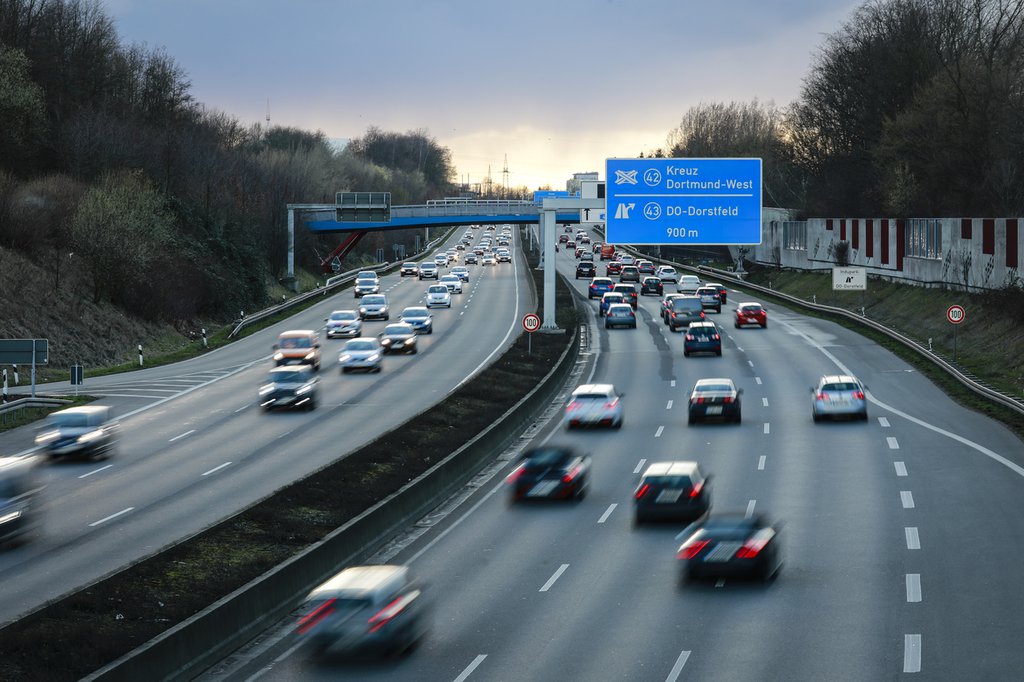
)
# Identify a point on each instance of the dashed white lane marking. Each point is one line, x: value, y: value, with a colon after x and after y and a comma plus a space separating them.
x: 607, y: 512
x: 677, y: 669
x: 672, y: 383
x: 241, y: 408
x: 911, y: 653
x: 668, y: 406
x: 750, y: 362
x: 767, y: 427
x: 901, y: 468
x: 913, y: 539
x: 189, y: 432
x: 883, y: 422
x: 907, y: 499
x: 112, y: 516
x: 764, y: 401
x: 750, y: 508
x: 553, y: 578
x: 758, y: 380
x: 462, y: 312
x: 913, y: 587
x: 893, y: 443
x: 639, y: 466
x: 760, y: 462
x: 661, y: 430
x: 470, y: 668
x: 215, y: 469
x: 95, y: 471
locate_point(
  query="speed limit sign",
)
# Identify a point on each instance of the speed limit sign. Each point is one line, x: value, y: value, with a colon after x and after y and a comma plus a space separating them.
x: 531, y: 322
x: 955, y: 314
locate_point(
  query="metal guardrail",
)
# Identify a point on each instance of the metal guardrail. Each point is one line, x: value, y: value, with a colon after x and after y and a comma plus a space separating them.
x: 16, y: 406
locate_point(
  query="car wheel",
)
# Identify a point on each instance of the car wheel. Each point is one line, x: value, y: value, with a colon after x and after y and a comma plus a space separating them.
x: 388, y: 316
x: 344, y: 370
x: 763, y: 326
x: 736, y: 324
x: 686, y: 353
x: 377, y: 369
x: 816, y: 417
x: 310, y: 406
x: 718, y: 352
x: 414, y: 350
x: 718, y: 310
x: 864, y: 416
x: 690, y: 419
x: 739, y: 417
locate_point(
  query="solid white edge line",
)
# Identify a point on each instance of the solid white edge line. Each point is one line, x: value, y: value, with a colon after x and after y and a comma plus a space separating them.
x: 242, y: 408
x: 673, y: 674
x: 639, y: 466
x: 750, y: 508
x: 913, y: 537
x: 112, y: 516
x: 551, y: 581
x: 893, y: 443
x: 187, y: 433
x: 95, y: 471
x: 901, y: 468
x: 913, y: 587
x: 470, y: 668
x: 911, y: 653
x: 760, y: 462
x: 225, y: 464
x: 907, y: 498
x: 661, y: 430
x: 607, y: 512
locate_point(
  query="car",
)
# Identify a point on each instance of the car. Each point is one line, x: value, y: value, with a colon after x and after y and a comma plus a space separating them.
x: 702, y: 337
x: 626, y: 259
x: 503, y: 256
x: 683, y: 311
x: 376, y: 609
x: 362, y: 353
x: 441, y: 260
x: 613, y: 268
x: 609, y: 299
x: 453, y: 282
x: 563, y: 238
x: 667, y: 273
x: 839, y: 395
x: 438, y: 295
x: 596, y: 247
x: 571, y: 244
x: 750, y: 313
x: 671, y: 491
x: 489, y: 259
x: 374, y: 307
x: 731, y: 545
x: 645, y: 267
x: 503, y: 241
x: 666, y: 305
x: 715, y: 398
x: 552, y: 473
x: 410, y: 269
x: 710, y: 299
x: 291, y: 386
x: 584, y: 239
x: 398, y: 338
x: 587, y: 256
x: 688, y: 284
x: 630, y: 273
x: 651, y: 285
x: 579, y: 252
x: 343, y: 323
x: 428, y: 270
x: 479, y: 250
x: 608, y: 252
x: 461, y: 271
x: 723, y: 291
x: 471, y: 259
x: 594, y: 405
x: 452, y: 255
x: 83, y: 432
x: 460, y: 247
x: 366, y: 283
x: 297, y: 347
x: 585, y: 269
x: 629, y: 291
x: 21, y: 500
x: 419, y: 318
x: 599, y: 286
x: 620, y: 315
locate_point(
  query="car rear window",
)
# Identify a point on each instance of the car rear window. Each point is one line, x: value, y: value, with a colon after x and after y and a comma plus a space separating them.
x: 547, y: 457
x: 669, y: 481
x: 590, y: 396
x: 840, y: 387
x: 685, y: 304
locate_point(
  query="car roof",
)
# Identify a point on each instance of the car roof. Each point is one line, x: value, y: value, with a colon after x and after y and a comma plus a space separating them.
x: 416, y: 309
x: 85, y: 409
x: 363, y: 581
x: 297, y: 333
x: 675, y: 468
x: 839, y: 379
x: 740, y: 305
x: 594, y: 388
x: 619, y: 306
x: 690, y: 277
x: 718, y: 380
x: 702, y: 323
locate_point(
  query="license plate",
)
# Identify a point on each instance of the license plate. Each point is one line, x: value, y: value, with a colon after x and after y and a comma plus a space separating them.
x: 669, y: 495
x: 713, y: 409
x: 542, y: 489
x: 723, y: 551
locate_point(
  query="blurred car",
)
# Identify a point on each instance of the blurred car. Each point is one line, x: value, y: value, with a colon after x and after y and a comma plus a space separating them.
x: 620, y: 315
x: 441, y: 260
x: 666, y: 305
x: 409, y: 269
x: 363, y: 353
x: 710, y: 299
x: 584, y: 239
x: 609, y: 299
x: 21, y: 490
x: 563, y: 238
x: 645, y: 267
x: 599, y: 286
x: 553, y: 473
x: 471, y: 259
x: 343, y: 323
x: 398, y: 338
x: 667, y: 273
x: 460, y: 247
x: 579, y: 252
x: 452, y: 255
x: 630, y: 273
x: 587, y: 256
x: 453, y: 282
x: 364, y: 609
x: 688, y: 284
x: 594, y: 405
x: 731, y: 545
x: 715, y: 398
x: 671, y: 491
x: 419, y: 318
x: 366, y: 283
x: 585, y: 269
x: 503, y: 255
x: 702, y: 337
x: 374, y: 307
x: 571, y: 244
x: 751, y: 313
x: 652, y: 285
x: 839, y: 395
x: 629, y: 291
x: 293, y: 386
x: 438, y: 295
x: 723, y: 291
x: 626, y: 259
x: 297, y: 347
x: 86, y: 432
x: 683, y: 311
x: 488, y: 259
x: 608, y: 252
x: 613, y: 268
x: 428, y: 270
x: 461, y: 271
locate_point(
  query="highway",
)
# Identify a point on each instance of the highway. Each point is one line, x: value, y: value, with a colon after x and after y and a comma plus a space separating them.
x: 902, y: 535
x: 197, y: 448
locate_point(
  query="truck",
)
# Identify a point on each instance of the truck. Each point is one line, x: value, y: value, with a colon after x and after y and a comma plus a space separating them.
x: 607, y: 252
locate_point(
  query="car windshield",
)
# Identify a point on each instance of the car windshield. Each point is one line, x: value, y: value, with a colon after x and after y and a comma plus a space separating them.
x: 287, y: 376
x: 366, y: 275
x: 374, y: 300
x: 684, y: 304
x: 428, y: 266
x: 360, y: 345
x: 414, y: 312
x: 398, y: 330
x: 751, y: 308
x: 72, y: 419
x: 669, y: 481
x: 347, y: 315
x: 621, y: 311
x: 295, y: 342
x: 438, y: 289
x: 845, y: 386
x: 615, y: 298
x: 592, y: 397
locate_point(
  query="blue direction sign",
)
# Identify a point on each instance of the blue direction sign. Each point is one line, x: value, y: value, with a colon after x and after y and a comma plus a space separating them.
x: 683, y: 201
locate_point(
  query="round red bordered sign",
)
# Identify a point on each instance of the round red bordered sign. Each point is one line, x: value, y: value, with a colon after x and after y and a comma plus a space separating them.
x: 531, y: 322
x: 956, y: 314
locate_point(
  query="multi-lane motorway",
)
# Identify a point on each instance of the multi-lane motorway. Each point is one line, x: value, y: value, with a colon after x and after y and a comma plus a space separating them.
x: 196, y: 447
x: 903, y: 536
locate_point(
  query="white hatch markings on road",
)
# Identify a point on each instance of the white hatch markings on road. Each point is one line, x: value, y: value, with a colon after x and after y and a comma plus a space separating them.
x: 883, y: 422
x: 673, y: 674
x: 95, y: 471
x: 764, y: 401
x: 661, y: 430
x: 750, y: 508
x: 551, y: 581
x: 639, y: 466
x: 758, y: 380
x: 907, y: 498
x: 668, y: 405
x: 191, y: 431
x: 218, y: 468
x: 893, y: 443
x: 760, y: 462
x: 913, y: 587
x: 112, y: 516
x: 672, y: 383
x: 607, y: 512
x: 913, y: 539
x: 470, y: 668
x: 911, y: 653
x: 767, y: 428
x: 901, y: 468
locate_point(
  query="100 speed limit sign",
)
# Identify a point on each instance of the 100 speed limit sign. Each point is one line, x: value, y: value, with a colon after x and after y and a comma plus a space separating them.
x: 531, y: 322
x: 955, y: 314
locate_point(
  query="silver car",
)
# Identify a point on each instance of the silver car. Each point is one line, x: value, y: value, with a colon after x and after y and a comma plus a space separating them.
x: 839, y: 395
x: 293, y: 386
x: 438, y: 295
x: 688, y: 284
x: 594, y: 405
x: 343, y: 324
x: 86, y: 431
x: 366, y: 283
x: 453, y: 282
x: 374, y: 307
x: 428, y: 270
x: 419, y: 318
x: 364, y: 353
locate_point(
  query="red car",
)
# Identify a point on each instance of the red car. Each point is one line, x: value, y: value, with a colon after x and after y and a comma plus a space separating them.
x: 563, y: 238
x: 751, y: 313
x: 614, y: 268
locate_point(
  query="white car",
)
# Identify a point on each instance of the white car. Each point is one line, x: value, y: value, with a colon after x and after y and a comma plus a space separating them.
x: 438, y: 295
x: 667, y: 273
x: 839, y: 395
x: 343, y: 323
x: 367, y: 283
x: 363, y: 353
x: 504, y: 256
x: 626, y: 259
x: 374, y: 307
x: 440, y: 260
x: 688, y: 284
x: 594, y: 405
x: 461, y: 271
x: 428, y: 270
x: 453, y: 282
x: 488, y: 259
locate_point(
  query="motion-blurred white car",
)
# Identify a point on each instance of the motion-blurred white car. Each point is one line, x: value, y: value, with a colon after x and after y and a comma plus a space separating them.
x: 438, y: 295
x: 594, y: 405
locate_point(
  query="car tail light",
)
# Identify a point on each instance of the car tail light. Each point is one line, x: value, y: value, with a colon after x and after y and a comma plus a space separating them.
x: 858, y: 395
x: 385, y: 615
x: 611, y: 403
x: 574, y: 405
x: 702, y: 315
x: 691, y: 548
x: 673, y: 316
x: 570, y: 475
x: 310, y: 620
x: 641, y: 491
x: 727, y: 400
x: 753, y: 546
x: 819, y: 396
x: 699, y: 401
x: 516, y: 473
x: 716, y: 337
x: 695, y: 490
x: 689, y: 337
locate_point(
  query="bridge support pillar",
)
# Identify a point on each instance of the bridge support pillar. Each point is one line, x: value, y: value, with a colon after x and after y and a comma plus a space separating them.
x: 547, y: 240
x: 291, y: 243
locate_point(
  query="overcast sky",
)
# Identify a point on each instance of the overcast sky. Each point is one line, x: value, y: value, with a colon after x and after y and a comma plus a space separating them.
x: 558, y: 85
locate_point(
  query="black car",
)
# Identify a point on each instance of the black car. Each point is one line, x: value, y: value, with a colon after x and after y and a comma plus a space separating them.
x: 702, y: 337
x: 20, y: 497
x: 671, y: 491
x: 292, y: 386
x: 471, y: 259
x: 715, y: 398
x: 652, y: 285
x: 629, y: 291
x: 398, y: 338
x: 731, y: 545
x: 585, y: 269
x: 558, y: 473
x: 630, y: 273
